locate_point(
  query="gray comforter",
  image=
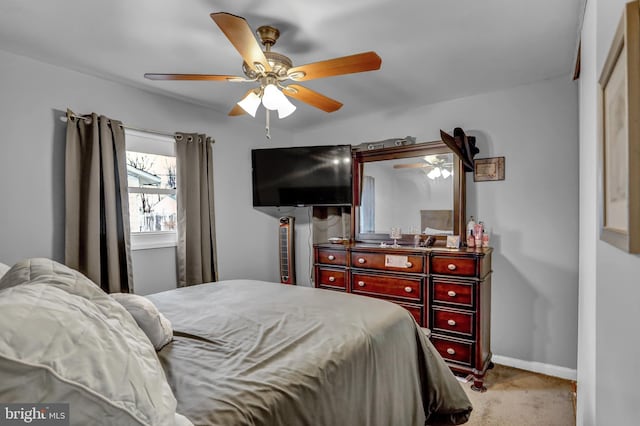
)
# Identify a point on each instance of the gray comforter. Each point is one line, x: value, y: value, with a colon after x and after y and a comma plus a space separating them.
x: 258, y: 353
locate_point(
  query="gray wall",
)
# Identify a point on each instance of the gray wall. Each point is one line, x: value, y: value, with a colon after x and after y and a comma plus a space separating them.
x: 532, y: 215
x: 35, y: 95
x: 609, y: 350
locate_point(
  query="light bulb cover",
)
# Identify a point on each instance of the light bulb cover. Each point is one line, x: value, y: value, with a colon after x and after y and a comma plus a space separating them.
x: 250, y: 103
x: 434, y: 173
x: 271, y: 97
x: 446, y: 173
x: 286, y: 108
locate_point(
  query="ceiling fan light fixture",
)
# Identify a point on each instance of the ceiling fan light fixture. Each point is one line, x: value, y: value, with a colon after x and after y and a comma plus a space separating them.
x: 434, y: 173
x: 446, y: 173
x: 273, y: 98
x: 250, y: 103
x: 286, y: 109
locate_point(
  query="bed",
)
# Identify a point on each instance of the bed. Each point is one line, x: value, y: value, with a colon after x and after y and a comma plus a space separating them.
x: 251, y: 353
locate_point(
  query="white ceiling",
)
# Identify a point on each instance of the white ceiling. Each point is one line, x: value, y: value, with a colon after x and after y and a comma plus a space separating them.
x: 431, y: 50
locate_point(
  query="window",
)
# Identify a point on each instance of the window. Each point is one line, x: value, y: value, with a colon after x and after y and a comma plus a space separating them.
x: 367, y: 205
x: 151, y: 177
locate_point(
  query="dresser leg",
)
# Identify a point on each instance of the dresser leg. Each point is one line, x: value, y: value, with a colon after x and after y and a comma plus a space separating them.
x: 478, y: 385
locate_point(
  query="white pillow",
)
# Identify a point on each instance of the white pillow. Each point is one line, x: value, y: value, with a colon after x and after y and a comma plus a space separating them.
x: 3, y: 269
x: 155, y: 325
x: 63, y: 339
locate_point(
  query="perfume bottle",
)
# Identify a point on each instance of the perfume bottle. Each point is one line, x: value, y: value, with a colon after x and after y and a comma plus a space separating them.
x: 485, y: 239
x: 478, y: 230
x: 471, y: 242
x: 471, y: 225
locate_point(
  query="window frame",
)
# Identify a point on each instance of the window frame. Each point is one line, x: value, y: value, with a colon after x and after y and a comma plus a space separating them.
x: 151, y: 143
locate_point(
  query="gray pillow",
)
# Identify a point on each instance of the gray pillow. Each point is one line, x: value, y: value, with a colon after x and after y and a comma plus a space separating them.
x: 155, y: 325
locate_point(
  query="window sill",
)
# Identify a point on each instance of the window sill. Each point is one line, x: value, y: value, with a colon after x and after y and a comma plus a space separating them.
x: 153, y: 240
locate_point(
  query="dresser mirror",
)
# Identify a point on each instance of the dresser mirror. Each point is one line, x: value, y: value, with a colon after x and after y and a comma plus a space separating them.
x: 404, y: 191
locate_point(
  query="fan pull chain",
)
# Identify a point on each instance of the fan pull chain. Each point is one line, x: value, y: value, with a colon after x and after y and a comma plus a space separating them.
x: 267, y: 128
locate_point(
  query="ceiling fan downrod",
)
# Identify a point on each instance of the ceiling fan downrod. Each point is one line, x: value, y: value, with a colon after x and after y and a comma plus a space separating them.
x: 267, y: 125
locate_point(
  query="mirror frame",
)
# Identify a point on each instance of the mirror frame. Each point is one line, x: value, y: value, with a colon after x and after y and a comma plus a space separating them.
x: 360, y: 157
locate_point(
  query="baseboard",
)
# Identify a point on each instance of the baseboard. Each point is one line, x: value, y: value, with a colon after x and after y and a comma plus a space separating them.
x: 537, y: 367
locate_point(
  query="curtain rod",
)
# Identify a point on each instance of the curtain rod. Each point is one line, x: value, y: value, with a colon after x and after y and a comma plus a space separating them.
x: 157, y: 132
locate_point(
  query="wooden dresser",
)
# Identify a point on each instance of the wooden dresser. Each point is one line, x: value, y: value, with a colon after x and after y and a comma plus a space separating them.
x: 446, y: 290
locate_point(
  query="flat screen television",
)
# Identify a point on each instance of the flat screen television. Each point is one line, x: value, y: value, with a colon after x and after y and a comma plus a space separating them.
x: 302, y: 176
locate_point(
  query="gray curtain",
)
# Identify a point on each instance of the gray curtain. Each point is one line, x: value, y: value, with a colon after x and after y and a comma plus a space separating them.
x: 97, y: 239
x: 197, y: 257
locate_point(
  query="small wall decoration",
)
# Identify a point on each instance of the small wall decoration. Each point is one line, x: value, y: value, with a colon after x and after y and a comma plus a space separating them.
x: 488, y: 169
x: 619, y: 133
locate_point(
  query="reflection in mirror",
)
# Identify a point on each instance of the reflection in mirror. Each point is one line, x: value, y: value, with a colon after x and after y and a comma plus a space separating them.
x: 415, y: 194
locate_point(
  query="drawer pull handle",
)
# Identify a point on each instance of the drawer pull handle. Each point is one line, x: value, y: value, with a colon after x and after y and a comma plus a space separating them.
x: 361, y: 283
x: 451, y: 267
x: 409, y: 264
x: 408, y: 289
x: 361, y: 260
x: 451, y: 351
x: 331, y: 257
x: 451, y: 322
x: 332, y: 279
x: 451, y: 293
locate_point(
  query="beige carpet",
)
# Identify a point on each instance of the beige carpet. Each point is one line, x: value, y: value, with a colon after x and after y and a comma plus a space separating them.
x: 518, y: 398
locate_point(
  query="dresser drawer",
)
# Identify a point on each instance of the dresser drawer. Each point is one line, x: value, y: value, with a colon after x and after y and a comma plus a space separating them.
x: 454, y: 350
x: 393, y: 286
x: 332, y: 257
x: 458, y: 294
x: 328, y: 277
x: 453, y: 322
x: 415, y: 311
x: 388, y: 262
x: 460, y: 266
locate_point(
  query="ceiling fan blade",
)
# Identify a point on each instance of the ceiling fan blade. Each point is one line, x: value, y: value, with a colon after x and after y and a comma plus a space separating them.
x: 359, y: 62
x: 311, y: 97
x: 240, y: 35
x: 237, y: 109
x: 198, y: 77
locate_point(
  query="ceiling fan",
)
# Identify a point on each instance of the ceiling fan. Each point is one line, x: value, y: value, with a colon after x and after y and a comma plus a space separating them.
x: 271, y: 69
x: 434, y: 166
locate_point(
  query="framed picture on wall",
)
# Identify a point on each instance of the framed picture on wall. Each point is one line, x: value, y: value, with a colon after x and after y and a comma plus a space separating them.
x: 619, y: 132
x: 485, y: 169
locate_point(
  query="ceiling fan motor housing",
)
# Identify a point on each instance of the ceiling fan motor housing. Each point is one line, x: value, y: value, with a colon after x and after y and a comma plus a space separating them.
x: 268, y: 35
x: 280, y: 64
